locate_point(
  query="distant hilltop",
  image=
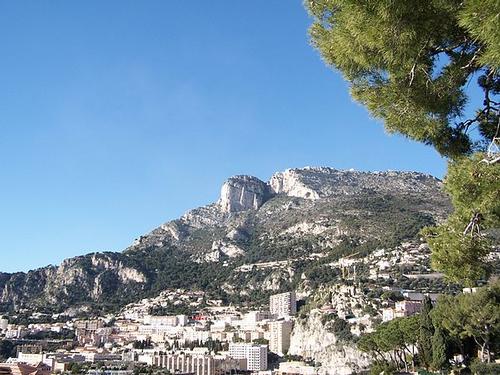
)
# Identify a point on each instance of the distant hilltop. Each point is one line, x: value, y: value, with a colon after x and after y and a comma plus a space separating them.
x: 247, y: 192
x: 298, y: 212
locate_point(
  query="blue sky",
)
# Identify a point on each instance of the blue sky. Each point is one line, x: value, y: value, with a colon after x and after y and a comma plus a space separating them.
x: 117, y: 116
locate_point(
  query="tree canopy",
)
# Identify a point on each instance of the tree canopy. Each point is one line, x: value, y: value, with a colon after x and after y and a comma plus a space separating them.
x: 409, y: 62
x: 412, y: 64
x: 462, y: 324
x: 472, y: 315
x: 460, y: 252
x: 392, y: 343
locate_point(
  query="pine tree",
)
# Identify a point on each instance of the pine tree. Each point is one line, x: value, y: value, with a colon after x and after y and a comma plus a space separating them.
x: 439, y: 350
x: 473, y: 316
x: 409, y: 62
x: 473, y: 187
x: 426, y: 331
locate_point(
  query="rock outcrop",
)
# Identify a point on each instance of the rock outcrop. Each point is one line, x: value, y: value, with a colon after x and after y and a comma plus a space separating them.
x: 311, y: 340
x: 93, y: 277
x: 291, y: 183
x: 314, y: 183
x: 241, y: 193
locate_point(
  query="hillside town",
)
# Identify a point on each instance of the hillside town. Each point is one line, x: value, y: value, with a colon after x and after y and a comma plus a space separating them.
x: 215, y: 340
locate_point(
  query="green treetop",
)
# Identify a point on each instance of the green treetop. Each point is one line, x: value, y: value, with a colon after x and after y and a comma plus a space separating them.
x: 439, y: 350
x: 460, y: 247
x: 474, y: 315
x: 408, y: 62
x: 426, y: 331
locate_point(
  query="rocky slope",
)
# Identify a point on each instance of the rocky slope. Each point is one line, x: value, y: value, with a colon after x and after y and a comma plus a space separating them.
x: 333, y: 356
x: 257, y: 238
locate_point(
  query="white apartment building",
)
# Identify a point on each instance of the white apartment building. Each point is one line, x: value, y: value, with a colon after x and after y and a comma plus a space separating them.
x: 198, y: 364
x: 191, y: 334
x: 255, y: 316
x: 182, y: 320
x: 159, y: 321
x: 30, y: 358
x: 253, y: 319
x: 388, y: 314
x: 255, y: 355
x: 4, y: 323
x: 165, y: 320
x: 282, y: 305
x: 279, y: 336
x: 94, y: 357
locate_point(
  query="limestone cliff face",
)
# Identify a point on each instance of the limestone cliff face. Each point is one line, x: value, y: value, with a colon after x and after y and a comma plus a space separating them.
x: 241, y: 193
x: 311, y: 340
x: 290, y: 183
x: 238, y: 194
x: 222, y: 250
x: 93, y: 277
x: 315, y: 183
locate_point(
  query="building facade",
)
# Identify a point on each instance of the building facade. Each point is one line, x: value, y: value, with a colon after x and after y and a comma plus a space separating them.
x: 279, y: 336
x: 198, y: 364
x: 282, y: 305
x: 255, y: 355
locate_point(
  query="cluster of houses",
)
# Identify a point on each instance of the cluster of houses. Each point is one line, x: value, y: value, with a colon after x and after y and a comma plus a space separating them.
x: 217, y: 340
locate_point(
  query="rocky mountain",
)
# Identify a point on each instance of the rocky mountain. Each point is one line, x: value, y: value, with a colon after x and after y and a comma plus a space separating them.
x: 258, y: 238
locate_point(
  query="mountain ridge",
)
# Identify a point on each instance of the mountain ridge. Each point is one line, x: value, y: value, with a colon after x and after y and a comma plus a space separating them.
x: 297, y: 211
